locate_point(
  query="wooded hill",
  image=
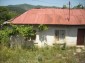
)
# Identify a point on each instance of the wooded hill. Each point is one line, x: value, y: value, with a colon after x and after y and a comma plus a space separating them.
x: 21, y: 8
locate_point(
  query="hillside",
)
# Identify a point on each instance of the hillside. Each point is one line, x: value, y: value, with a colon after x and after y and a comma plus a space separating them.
x: 28, y: 6
x: 22, y: 6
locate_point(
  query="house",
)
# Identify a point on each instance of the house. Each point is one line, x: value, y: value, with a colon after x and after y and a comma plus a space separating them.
x: 63, y: 26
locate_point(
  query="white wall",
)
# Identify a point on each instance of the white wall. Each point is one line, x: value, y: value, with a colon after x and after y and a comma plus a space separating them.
x: 48, y: 37
x: 71, y: 36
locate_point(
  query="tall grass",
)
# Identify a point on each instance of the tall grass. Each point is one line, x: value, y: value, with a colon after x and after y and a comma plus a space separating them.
x: 47, y: 54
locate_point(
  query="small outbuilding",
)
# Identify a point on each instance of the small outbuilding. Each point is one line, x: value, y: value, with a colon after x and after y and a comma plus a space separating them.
x: 63, y: 26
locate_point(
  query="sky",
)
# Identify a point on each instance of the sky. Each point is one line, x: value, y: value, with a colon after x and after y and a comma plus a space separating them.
x: 58, y: 3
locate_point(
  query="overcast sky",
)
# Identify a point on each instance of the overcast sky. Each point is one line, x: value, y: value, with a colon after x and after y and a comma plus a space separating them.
x: 59, y: 3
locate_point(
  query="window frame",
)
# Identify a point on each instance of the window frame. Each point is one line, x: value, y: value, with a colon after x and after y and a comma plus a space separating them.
x: 58, y: 37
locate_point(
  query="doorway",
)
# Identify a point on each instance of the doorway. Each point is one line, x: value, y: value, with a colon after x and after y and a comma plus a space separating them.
x: 81, y: 37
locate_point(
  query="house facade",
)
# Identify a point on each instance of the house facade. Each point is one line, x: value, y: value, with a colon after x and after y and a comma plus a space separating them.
x: 62, y: 26
x: 71, y: 35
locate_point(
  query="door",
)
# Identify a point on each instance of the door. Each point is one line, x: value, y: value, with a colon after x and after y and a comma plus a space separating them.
x: 81, y: 37
x: 84, y: 39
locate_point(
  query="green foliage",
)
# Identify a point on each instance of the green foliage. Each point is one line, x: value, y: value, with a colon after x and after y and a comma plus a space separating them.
x: 3, y: 9
x: 25, y: 31
x: 13, y: 30
x: 5, y: 14
x: 79, y: 6
x: 28, y: 6
x: 40, y: 55
x: 4, y: 36
x: 16, y: 10
x: 42, y: 27
x: 64, y: 6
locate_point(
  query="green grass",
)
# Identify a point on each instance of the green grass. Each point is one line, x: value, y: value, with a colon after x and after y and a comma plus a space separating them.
x: 53, y: 54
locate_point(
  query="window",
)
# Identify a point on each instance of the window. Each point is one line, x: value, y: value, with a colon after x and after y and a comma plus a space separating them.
x: 57, y: 35
x: 60, y: 34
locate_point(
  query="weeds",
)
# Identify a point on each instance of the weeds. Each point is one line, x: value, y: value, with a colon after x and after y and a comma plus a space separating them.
x: 53, y: 54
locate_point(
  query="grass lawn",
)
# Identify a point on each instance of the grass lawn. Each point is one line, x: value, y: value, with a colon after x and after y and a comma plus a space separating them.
x: 55, y: 54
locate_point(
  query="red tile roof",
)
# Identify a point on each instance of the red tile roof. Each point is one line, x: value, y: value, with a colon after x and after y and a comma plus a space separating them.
x: 52, y: 16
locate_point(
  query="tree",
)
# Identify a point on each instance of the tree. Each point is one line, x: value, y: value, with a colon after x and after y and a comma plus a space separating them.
x: 5, y: 14
x: 79, y: 6
x: 64, y: 6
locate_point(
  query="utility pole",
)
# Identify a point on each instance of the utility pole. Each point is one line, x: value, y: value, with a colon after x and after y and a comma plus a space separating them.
x: 69, y: 10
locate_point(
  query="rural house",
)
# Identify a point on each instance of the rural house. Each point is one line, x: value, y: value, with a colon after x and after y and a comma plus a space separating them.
x: 64, y: 25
